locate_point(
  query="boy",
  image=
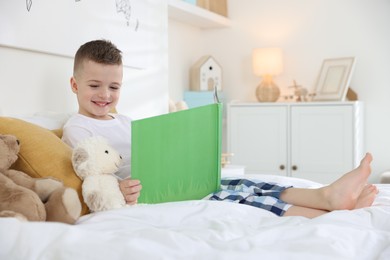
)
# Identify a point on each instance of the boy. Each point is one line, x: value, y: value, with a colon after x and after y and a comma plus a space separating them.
x: 97, y: 79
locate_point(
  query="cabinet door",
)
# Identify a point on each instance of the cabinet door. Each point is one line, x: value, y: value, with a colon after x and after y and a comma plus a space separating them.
x: 257, y: 136
x: 322, y: 139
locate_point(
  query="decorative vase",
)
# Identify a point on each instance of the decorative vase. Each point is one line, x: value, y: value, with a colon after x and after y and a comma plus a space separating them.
x: 267, y: 90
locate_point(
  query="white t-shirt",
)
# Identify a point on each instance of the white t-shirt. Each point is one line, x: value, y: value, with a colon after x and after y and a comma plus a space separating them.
x: 117, y: 131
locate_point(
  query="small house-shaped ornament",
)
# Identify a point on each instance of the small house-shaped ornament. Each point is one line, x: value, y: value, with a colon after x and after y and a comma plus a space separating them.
x: 205, y: 74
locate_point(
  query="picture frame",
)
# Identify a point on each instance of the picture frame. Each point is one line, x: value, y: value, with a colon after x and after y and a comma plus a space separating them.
x: 333, y: 79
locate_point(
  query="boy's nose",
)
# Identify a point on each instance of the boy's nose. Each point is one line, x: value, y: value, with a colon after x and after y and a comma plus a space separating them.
x: 104, y: 93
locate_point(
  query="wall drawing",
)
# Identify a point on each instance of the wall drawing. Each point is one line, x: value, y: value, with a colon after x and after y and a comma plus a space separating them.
x: 61, y: 26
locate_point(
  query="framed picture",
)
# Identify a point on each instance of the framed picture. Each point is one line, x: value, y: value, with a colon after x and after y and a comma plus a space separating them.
x: 333, y: 79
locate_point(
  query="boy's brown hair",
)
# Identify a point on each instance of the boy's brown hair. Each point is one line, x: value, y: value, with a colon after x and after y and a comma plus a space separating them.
x: 100, y: 51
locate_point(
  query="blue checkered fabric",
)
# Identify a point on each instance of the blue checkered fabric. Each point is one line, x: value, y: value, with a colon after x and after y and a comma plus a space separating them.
x: 254, y: 193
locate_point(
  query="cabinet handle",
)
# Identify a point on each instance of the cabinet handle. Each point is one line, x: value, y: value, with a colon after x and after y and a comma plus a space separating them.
x: 294, y: 167
x: 281, y: 167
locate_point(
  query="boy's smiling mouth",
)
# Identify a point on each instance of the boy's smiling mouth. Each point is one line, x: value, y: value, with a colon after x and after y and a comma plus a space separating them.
x: 101, y: 104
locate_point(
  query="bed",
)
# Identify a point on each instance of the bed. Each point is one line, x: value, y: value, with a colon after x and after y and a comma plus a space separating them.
x: 198, y: 229
x: 205, y: 229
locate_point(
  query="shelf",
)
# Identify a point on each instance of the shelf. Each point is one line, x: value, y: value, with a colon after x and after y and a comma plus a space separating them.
x: 195, y: 15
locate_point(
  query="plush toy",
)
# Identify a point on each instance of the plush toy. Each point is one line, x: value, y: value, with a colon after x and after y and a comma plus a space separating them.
x: 178, y: 106
x: 33, y: 199
x: 95, y: 162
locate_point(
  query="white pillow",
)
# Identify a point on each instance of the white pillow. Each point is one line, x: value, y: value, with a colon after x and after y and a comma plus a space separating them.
x: 46, y: 119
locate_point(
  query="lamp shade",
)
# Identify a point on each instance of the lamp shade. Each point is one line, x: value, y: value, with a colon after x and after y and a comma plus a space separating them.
x: 267, y: 61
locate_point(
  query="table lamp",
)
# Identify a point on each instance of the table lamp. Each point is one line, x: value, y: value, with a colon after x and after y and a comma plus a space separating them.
x: 267, y: 62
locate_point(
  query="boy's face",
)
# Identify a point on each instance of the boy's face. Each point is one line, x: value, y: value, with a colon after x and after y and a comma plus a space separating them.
x: 97, y: 87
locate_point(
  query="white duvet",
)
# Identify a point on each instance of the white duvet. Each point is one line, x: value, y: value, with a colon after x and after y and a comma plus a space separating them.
x: 205, y: 230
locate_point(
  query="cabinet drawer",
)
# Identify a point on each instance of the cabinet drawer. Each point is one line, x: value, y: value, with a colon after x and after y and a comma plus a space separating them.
x: 258, y: 138
x: 322, y: 142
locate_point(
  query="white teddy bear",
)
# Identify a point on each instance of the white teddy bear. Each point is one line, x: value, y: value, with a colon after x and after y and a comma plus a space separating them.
x: 95, y: 162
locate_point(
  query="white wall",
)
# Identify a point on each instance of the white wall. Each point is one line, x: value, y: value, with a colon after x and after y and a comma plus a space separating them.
x: 185, y: 48
x: 308, y: 32
x: 34, y: 82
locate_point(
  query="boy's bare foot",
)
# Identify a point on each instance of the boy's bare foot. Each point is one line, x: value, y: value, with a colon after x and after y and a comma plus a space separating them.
x: 367, y: 196
x: 345, y: 192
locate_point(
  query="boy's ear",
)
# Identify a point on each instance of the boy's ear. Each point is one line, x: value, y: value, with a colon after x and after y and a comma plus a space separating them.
x: 73, y: 84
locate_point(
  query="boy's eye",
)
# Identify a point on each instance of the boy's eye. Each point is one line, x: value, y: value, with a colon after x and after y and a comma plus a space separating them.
x: 114, y: 87
x: 93, y: 86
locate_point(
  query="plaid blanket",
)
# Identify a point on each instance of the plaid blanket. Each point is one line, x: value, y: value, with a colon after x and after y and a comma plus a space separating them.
x: 254, y: 193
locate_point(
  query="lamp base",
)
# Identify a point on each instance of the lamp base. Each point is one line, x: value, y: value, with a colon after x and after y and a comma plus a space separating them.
x: 267, y: 92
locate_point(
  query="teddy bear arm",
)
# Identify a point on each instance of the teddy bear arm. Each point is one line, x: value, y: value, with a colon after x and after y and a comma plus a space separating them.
x: 20, y: 200
x: 102, y: 193
x: 20, y: 178
x: 95, y: 201
x: 42, y: 186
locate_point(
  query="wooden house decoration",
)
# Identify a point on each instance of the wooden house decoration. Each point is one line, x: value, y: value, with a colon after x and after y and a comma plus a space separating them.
x: 205, y: 74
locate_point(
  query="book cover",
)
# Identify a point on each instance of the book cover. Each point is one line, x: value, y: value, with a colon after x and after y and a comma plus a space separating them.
x: 177, y: 156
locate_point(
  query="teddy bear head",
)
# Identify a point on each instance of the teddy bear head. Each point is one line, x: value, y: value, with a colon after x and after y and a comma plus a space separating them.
x: 9, y: 147
x: 94, y: 156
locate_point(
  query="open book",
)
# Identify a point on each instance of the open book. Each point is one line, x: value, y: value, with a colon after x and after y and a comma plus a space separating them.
x: 177, y: 156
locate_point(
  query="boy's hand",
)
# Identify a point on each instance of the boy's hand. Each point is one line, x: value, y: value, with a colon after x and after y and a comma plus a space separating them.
x: 130, y: 190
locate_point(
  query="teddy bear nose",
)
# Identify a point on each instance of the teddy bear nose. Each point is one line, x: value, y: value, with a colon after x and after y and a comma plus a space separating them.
x: 17, y: 141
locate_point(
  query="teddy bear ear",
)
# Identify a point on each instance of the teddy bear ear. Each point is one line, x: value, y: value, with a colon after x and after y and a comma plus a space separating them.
x: 79, y: 157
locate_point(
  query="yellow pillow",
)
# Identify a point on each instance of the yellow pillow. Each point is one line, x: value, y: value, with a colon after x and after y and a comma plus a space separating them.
x: 42, y: 153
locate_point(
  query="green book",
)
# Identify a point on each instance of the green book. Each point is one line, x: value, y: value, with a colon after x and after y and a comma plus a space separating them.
x: 177, y: 156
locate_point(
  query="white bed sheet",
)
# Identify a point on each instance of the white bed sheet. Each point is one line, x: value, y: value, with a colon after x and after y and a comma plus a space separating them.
x: 205, y: 230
